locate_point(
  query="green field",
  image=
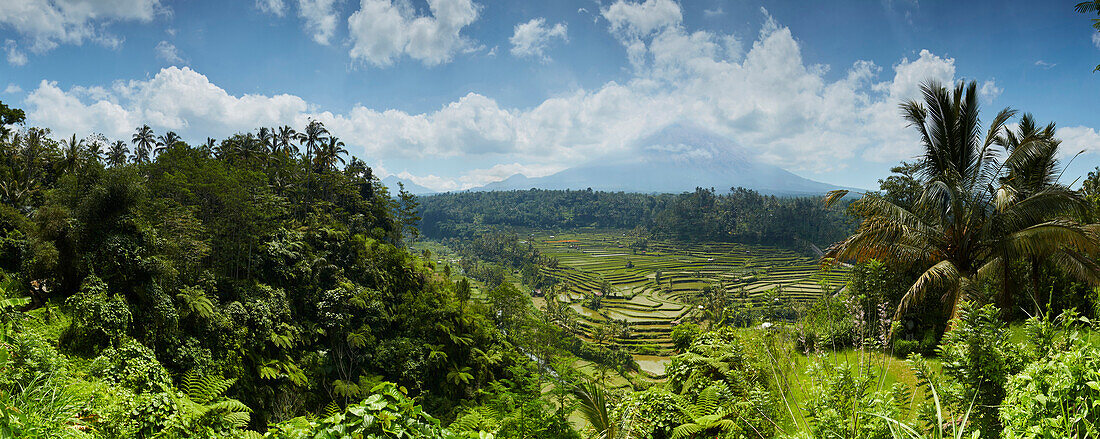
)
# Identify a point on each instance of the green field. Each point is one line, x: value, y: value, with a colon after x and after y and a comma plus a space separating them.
x: 586, y: 259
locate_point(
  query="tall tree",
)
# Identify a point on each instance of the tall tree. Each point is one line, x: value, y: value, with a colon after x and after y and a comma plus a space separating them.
x: 143, y: 140
x: 331, y: 151
x: 966, y: 226
x: 165, y: 141
x: 284, y: 141
x: 9, y: 116
x: 72, y: 149
x: 116, y: 155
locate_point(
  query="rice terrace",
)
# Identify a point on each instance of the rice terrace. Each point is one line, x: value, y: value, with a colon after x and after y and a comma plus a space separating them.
x: 656, y: 287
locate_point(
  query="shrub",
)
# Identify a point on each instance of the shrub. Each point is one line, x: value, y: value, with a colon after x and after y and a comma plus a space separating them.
x: 1058, y: 394
x: 684, y: 334
x: 844, y: 402
x: 386, y: 413
x: 977, y: 355
x: 134, y: 366
x: 99, y: 319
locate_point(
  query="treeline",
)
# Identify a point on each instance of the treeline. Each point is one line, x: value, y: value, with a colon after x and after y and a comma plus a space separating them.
x: 703, y: 215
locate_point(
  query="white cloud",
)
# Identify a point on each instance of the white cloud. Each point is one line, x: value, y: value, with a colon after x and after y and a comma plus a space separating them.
x: 1096, y: 39
x: 531, y: 38
x: 989, y: 91
x: 177, y: 99
x: 13, y: 89
x: 642, y: 19
x: 44, y: 24
x: 167, y: 52
x: 763, y: 96
x: 320, y: 19
x: 474, y: 178
x: 1078, y: 138
x: 16, y: 57
x: 711, y: 13
x: 382, y: 30
x: 273, y: 7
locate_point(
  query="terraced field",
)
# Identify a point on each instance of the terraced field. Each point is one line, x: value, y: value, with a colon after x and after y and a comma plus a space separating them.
x: 652, y: 305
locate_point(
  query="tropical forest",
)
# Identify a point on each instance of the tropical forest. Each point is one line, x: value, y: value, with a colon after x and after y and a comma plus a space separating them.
x: 613, y: 220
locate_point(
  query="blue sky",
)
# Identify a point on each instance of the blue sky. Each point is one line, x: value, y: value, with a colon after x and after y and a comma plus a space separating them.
x: 456, y: 93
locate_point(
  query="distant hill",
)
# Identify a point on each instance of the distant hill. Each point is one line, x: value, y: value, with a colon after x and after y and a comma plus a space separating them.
x: 413, y: 188
x: 676, y: 159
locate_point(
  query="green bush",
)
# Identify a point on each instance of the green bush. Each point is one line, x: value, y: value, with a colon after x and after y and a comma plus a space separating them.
x: 386, y: 413
x: 134, y: 366
x: 684, y: 334
x: 99, y: 318
x: 1057, y: 395
x: 843, y: 401
x: 978, y: 357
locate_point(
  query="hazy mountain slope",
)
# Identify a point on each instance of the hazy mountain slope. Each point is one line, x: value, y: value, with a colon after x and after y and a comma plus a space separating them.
x: 676, y: 159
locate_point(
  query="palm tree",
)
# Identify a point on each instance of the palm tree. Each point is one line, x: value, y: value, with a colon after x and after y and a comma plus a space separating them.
x: 166, y: 141
x: 594, y: 407
x: 143, y: 141
x: 312, y: 138
x: 73, y: 149
x: 330, y: 152
x: 284, y: 141
x: 963, y: 231
x: 1091, y: 7
x: 116, y: 155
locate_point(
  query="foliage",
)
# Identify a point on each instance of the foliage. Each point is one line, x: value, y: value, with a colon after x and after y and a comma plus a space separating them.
x: 978, y: 357
x: 846, y: 401
x: 703, y: 215
x: 386, y: 413
x: 1058, y: 393
x: 976, y: 215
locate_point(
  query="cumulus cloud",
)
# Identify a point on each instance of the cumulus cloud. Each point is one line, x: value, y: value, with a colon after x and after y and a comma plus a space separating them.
x: 641, y: 19
x: 1078, y: 138
x: 177, y: 99
x: 474, y: 178
x: 320, y: 19
x: 711, y: 13
x: 382, y: 30
x: 1096, y: 39
x: 167, y: 52
x: 13, y: 89
x: 763, y: 96
x: 531, y: 38
x: 989, y: 91
x: 44, y: 24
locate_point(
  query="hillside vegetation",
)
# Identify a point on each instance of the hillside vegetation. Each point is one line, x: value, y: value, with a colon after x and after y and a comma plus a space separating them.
x: 262, y: 286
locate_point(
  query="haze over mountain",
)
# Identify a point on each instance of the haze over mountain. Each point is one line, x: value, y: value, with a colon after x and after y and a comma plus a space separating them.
x: 676, y: 159
x: 413, y: 188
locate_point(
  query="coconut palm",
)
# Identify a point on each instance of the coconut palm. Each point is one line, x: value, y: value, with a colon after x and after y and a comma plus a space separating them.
x: 312, y: 138
x: 284, y: 141
x: 967, y: 225
x: 73, y: 149
x: 165, y: 141
x: 1091, y: 7
x: 143, y: 140
x: 330, y: 152
x: 116, y: 155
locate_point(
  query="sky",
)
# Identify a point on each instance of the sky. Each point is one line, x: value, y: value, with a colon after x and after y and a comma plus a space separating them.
x: 453, y: 94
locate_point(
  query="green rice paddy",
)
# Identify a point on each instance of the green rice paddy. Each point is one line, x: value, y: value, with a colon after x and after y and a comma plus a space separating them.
x: 656, y: 288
